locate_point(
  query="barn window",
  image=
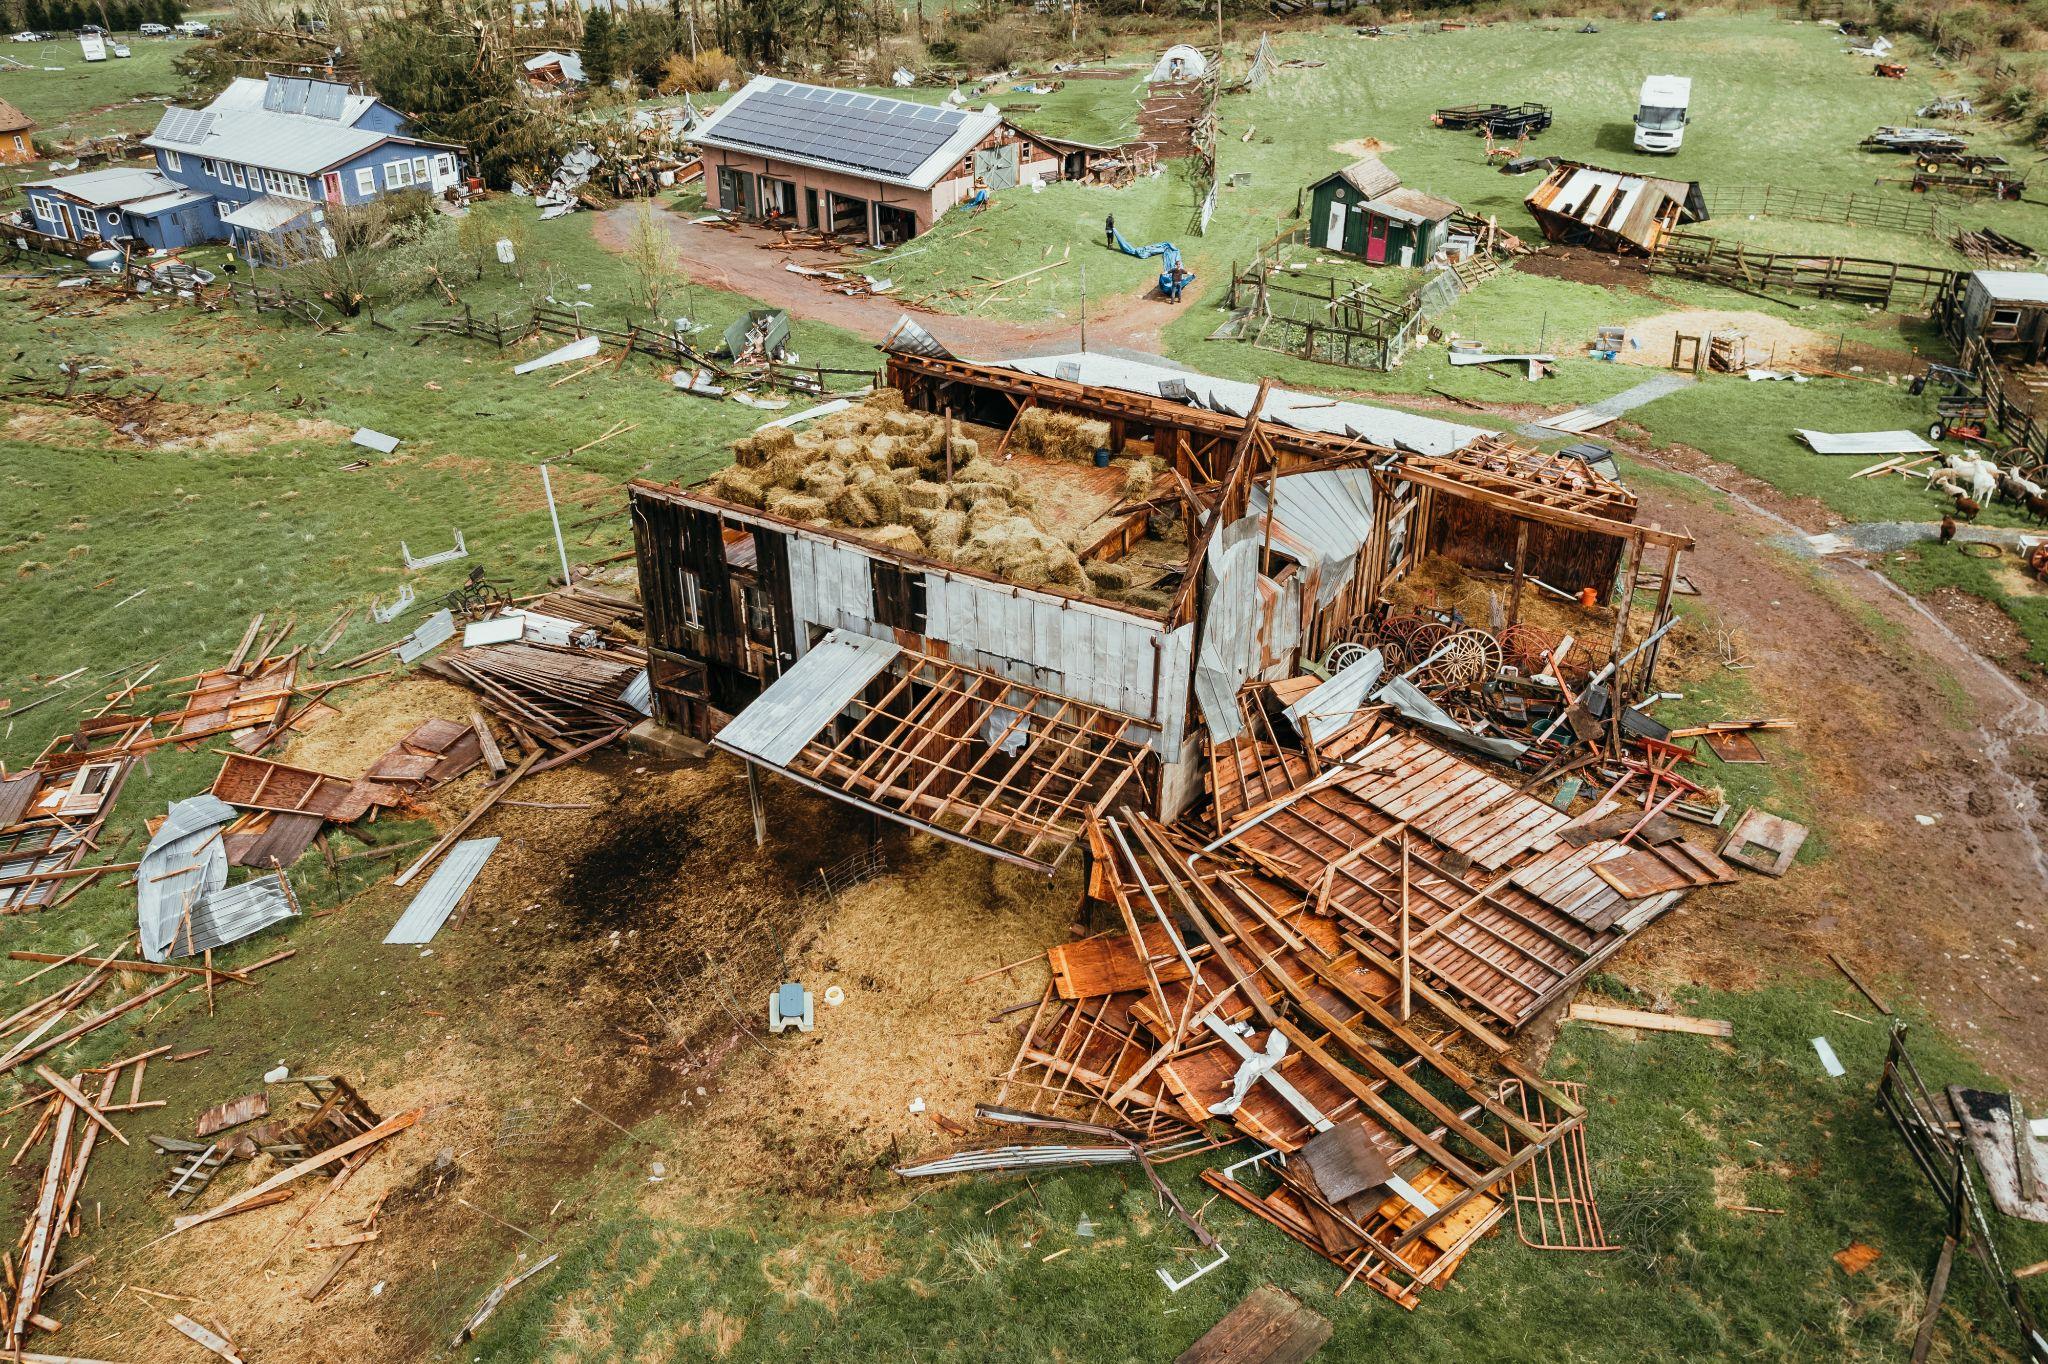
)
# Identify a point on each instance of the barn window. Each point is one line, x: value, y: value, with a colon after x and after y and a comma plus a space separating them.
x: 693, y: 602
x: 2005, y: 317
x: 760, y: 609
x: 899, y: 596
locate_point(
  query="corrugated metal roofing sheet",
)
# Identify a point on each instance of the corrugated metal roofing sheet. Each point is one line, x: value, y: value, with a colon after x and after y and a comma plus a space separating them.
x: 2013, y: 286
x: 1865, y: 442
x: 442, y: 892
x: 1330, y: 513
x: 1325, y: 711
x: 183, y: 864
x: 267, y: 214
x: 782, y: 719
x: 236, y: 912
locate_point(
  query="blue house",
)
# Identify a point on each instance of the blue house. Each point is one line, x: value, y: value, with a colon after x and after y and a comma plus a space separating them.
x: 263, y: 162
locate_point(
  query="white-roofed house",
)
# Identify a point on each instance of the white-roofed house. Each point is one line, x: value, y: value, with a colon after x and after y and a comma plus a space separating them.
x: 283, y: 143
x: 871, y: 167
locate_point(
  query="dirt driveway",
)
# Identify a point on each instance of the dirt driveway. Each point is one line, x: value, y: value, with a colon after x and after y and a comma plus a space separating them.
x: 737, y: 258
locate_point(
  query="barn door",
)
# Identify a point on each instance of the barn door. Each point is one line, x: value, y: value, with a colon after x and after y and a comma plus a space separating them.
x: 1375, y: 239
x: 1333, y: 233
x: 997, y: 168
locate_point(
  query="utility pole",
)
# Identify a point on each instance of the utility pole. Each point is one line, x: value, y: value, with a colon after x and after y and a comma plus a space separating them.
x: 1084, y: 307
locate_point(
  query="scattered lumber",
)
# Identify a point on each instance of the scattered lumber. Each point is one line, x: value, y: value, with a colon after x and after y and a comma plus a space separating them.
x: 390, y: 1127
x: 1640, y: 1018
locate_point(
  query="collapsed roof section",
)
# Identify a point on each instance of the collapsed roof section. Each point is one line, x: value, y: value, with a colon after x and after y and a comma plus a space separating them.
x: 1581, y: 205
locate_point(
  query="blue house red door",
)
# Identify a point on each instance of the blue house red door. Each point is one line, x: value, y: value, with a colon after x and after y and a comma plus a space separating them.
x: 331, y: 183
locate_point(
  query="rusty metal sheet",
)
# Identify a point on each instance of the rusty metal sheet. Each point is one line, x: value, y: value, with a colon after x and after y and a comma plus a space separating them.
x: 233, y: 1113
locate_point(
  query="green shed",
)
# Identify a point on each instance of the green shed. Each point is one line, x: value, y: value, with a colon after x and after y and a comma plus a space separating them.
x: 1363, y: 211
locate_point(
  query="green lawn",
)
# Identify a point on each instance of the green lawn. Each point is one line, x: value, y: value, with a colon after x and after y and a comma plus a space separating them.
x: 76, y: 100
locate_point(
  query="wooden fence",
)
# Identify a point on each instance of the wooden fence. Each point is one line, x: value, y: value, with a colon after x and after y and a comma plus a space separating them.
x: 2013, y: 414
x: 1891, y: 212
x: 1350, y: 327
x: 1767, y: 274
x: 502, y: 331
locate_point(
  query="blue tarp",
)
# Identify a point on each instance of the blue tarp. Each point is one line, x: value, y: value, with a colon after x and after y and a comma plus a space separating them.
x: 1169, y: 261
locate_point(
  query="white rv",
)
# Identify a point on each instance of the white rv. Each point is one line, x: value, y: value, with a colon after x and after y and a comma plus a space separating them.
x: 1662, y: 111
x: 93, y: 46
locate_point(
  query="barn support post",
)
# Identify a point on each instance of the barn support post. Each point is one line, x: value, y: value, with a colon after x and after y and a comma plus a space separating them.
x: 1628, y: 597
x: 1521, y: 559
x: 1662, y: 614
x: 754, y: 803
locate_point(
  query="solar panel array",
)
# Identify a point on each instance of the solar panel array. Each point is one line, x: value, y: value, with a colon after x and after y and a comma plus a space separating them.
x: 866, y: 132
x: 296, y: 95
x: 185, y: 126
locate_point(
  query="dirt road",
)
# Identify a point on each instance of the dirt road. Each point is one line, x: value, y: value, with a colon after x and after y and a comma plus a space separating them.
x: 735, y: 258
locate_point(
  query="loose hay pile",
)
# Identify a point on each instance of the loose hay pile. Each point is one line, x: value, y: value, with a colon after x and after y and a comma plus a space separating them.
x: 880, y: 468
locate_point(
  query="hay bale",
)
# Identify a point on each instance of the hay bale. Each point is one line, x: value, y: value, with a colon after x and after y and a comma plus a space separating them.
x: 903, y: 423
x: 854, y: 508
x: 1106, y: 575
x: 1058, y: 435
x: 844, y: 450
x: 948, y: 530
x: 965, y: 448
x: 784, y: 469
x: 923, y: 493
x: 739, y: 485
x: 796, y: 506
x: 886, y: 495
x: 1138, y: 476
x: 920, y: 520
x: 882, y: 447
x: 885, y: 402
x: 978, y: 470
x: 1014, y: 547
x: 900, y: 538
x: 1148, y: 598
x: 773, y: 440
x: 747, y: 453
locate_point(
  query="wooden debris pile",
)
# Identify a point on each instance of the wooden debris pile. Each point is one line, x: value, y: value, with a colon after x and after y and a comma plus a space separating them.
x: 1228, y: 1007
x: 564, y: 698
x: 74, y: 1116
x: 52, y: 811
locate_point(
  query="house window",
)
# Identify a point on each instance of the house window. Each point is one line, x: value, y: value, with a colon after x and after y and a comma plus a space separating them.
x: 2005, y: 317
x: 446, y: 164
x: 111, y: 218
x: 693, y: 602
x: 19, y: 145
x: 397, y: 174
x: 44, y: 213
x: 239, y: 182
x: 366, y: 181
x: 221, y: 208
x: 172, y: 161
x: 419, y: 169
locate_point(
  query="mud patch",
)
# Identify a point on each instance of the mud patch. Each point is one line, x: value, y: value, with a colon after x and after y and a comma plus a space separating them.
x: 1361, y: 146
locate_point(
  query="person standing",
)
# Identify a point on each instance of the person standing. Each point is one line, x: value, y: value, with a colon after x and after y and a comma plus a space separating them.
x: 1109, y: 231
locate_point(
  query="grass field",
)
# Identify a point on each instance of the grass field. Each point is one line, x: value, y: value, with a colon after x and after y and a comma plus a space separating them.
x: 90, y: 97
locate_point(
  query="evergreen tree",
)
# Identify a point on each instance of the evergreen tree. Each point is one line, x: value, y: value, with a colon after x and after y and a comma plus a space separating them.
x: 600, y: 60
x: 35, y: 14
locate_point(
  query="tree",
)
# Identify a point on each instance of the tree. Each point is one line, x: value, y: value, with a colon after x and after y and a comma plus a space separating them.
x: 651, y: 251
x: 445, y: 66
x: 600, y: 61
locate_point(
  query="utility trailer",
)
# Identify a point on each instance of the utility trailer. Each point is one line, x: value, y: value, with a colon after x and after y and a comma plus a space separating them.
x: 1913, y: 140
x: 1466, y: 117
x: 1502, y: 120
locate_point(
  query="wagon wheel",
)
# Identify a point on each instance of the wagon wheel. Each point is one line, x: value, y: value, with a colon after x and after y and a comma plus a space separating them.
x: 1402, y: 630
x: 1470, y: 658
x: 1424, y: 639
x: 1343, y: 655
x: 1527, y: 646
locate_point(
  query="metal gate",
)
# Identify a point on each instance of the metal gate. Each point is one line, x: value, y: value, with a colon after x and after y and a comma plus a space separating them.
x: 997, y: 168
